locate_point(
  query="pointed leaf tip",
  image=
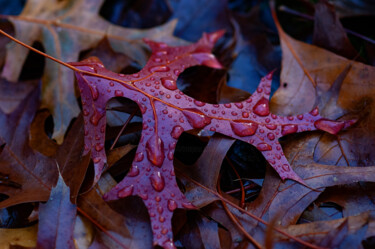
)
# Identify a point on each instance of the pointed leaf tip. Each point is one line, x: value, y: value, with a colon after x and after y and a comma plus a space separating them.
x: 213, y: 37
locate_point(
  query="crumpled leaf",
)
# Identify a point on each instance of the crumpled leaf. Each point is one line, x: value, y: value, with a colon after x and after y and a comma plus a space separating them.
x: 28, y: 175
x: 56, y: 219
x: 65, y: 28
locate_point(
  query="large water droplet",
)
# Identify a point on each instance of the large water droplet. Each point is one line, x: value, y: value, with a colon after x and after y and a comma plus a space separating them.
x: 127, y: 191
x: 244, y: 129
x: 264, y: 147
x: 289, y: 129
x: 177, y: 131
x: 155, y: 150
x: 157, y: 181
x: 97, y: 116
x: 169, y: 83
x: 119, y: 93
x: 172, y: 205
x: 199, y: 103
x: 239, y: 105
x: 261, y: 108
x: 315, y: 111
x: 271, y: 136
x: 94, y: 92
x: 161, y: 68
x: 142, y: 107
x: 134, y: 171
x: 196, y: 118
x: 332, y: 127
x: 139, y: 157
x: 271, y: 126
x: 99, y: 147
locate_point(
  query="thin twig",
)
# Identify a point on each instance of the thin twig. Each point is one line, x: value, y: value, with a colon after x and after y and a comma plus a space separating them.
x: 123, y: 128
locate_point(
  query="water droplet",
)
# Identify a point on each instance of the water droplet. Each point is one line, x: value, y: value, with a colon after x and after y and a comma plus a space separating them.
x: 196, y: 118
x: 271, y: 136
x: 259, y: 90
x: 332, y: 127
x: 212, y: 129
x: 290, y: 118
x: 127, y: 191
x: 111, y: 83
x: 213, y: 111
x: 245, y: 114
x: 177, y: 96
x: 239, y: 105
x: 139, y: 157
x: 85, y: 112
x: 228, y: 105
x: 169, y: 83
x: 300, y: 116
x: 134, y: 171
x: 161, y: 68
x: 273, y: 116
x: 199, y: 103
x: 136, y: 75
x: 271, y: 126
x: 286, y: 167
x: 156, y: 59
x: 155, y: 150
x: 172, y: 205
x: 142, y: 107
x: 160, y: 209
x: 264, y: 147
x: 288, y: 129
x: 172, y: 145
x: 315, y: 111
x: 143, y: 196
x: 161, y: 219
x: 164, y: 231
x: 96, y: 116
x: 188, y: 205
x: 99, y: 147
x: 244, y: 129
x: 177, y: 131
x: 234, y: 113
x: 170, y: 155
x: 94, y: 92
x: 169, y: 245
x: 176, y: 72
x: 268, y: 120
x: 119, y: 93
x: 278, y: 157
x: 261, y: 108
x: 96, y: 159
x: 167, y: 96
x: 157, y: 182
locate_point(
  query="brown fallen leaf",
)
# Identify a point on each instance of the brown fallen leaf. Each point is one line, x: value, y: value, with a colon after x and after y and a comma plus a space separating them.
x: 56, y: 219
x: 65, y: 28
x: 29, y: 175
x: 305, y: 66
x: 205, y: 170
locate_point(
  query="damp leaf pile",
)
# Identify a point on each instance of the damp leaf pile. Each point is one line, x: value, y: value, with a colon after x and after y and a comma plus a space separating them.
x: 167, y: 113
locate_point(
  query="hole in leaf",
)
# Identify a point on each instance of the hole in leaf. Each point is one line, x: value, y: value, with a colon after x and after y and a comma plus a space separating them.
x: 189, y: 148
x: 136, y: 14
x: 3, y: 197
x: 369, y: 243
x: 250, y: 165
x: 119, y: 111
x: 206, y: 88
x: 34, y: 64
x: 285, y: 84
x: 320, y: 212
x: 48, y: 126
